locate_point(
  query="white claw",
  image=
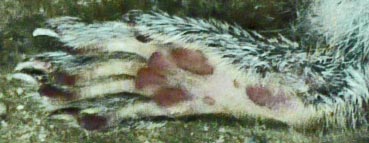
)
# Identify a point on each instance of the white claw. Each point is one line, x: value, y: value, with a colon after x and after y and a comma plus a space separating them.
x: 45, y: 32
x: 25, y: 77
x: 38, y: 65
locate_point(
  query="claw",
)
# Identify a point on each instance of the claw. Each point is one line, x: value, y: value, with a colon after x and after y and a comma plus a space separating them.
x: 26, y: 78
x: 45, y: 32
x: 37, y: 65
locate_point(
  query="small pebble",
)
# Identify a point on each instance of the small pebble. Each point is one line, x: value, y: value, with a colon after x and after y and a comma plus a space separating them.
x: 222, y: 130
x: 20, y: 91
x: 42, y: 135
x: 9, y: 78
x: 4, y: 124
x: 2, y: 109
x: 20, y: 107
x: 206, y: 128
x: 220, y: 139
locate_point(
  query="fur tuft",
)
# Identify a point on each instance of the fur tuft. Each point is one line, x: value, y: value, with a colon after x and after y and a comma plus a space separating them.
x: 345, y: 25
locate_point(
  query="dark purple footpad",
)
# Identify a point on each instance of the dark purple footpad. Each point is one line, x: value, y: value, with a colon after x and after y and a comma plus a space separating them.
x: 64, y: 78
x: 54, y: 92
x: 192, y: 61
x: 93, y: 122
x: 155, y: 75
x: 170, y: 96
x: 149, y: 77
x: 264, y: 97
x: 89, y: 122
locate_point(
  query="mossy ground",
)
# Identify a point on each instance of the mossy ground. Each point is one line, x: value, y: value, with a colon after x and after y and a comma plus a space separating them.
x: 25, y: 122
